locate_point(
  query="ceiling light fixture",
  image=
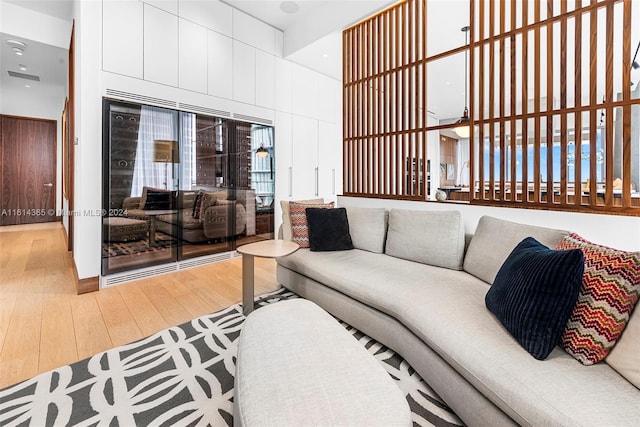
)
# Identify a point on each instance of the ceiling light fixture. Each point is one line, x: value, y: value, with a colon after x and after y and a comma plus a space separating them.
x: 18, y: 51
x: 463, y: 128
x: 22, y: 67
x: 289, y: 7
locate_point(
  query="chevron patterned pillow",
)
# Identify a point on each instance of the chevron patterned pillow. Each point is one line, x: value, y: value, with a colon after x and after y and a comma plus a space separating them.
x: 610, y: 290
x: 299, y: 226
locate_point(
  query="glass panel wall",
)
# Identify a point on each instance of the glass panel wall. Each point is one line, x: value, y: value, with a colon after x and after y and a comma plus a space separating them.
x: 179, y: 185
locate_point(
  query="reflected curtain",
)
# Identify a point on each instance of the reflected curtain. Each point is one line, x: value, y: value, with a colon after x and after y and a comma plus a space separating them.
x: 155, y: 123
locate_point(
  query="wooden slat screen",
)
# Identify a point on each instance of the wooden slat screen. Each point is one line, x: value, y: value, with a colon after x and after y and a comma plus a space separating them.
x: 545, y: 138
x: 384, y: 104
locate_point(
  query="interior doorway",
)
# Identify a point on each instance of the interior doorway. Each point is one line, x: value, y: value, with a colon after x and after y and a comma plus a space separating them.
x: 28, y: 152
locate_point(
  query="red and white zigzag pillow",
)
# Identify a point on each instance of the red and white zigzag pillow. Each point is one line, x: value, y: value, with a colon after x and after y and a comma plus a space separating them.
x: 610, y: 290
x: 299, y: 227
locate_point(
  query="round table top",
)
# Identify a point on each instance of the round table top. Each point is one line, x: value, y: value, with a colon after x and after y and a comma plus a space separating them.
x: 269, y: 248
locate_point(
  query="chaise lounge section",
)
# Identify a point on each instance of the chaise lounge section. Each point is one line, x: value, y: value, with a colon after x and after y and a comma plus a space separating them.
x: 397, y: 287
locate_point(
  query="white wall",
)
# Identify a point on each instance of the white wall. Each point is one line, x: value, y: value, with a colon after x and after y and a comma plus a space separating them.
x: 620, y: 232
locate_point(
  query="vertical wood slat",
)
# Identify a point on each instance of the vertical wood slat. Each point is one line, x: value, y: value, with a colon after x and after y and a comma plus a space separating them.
x: 609, y: 110
x: 549, y: 109
x: 563, y: 106
x: 577, y: 128
x: 501, y: 96
x: 472, y: 91
x: 492, y: 90
x: 626, y: 110
x: 525, y: 107
x: 593, y: 101
x: 512, y: 111
x: 536, y: 109
x: 481, y: 103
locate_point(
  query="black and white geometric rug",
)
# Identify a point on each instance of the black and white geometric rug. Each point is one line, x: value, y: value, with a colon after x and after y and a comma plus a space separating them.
x: 182, y: 376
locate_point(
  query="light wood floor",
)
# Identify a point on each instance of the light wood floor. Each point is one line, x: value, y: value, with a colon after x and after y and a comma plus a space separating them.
x: 44, y: 324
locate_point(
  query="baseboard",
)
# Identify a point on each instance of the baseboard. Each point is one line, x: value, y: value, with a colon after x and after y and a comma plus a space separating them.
x: 89, y: 284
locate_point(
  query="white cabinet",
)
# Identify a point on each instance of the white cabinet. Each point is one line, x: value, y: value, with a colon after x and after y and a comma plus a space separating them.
x: 304, y: 91
x: 283, y: 85
x: 160, y: 46
x: 329, y: 99
x: 244, y: 73
x: 219, y: 56
x: 170, y: 6
x: 211, y: 14
x: 251, y: 31
x: 265, y: 79
x: 283, y: 154
x: 329, y: 160
x: 304, y: 136
x: 122, y: 37
x: 193, y: 57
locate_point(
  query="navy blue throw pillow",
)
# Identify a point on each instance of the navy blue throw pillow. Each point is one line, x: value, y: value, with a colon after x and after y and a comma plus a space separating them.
x: 534, y: 293
x: 158, y: 200
x: 328, y: 229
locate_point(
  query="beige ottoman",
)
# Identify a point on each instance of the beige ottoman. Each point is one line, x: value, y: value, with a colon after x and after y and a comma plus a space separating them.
x: 121, y: 229
x: 297, y: 366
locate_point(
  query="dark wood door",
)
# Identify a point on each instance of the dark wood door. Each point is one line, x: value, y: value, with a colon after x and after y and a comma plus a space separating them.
x: 28, y: 154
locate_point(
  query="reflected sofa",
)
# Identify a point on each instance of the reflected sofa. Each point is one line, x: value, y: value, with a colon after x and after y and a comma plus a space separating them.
x: 217, y: 215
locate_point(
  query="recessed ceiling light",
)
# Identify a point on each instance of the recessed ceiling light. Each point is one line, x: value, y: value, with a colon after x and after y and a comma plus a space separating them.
x: 289, y: 7
x: 325, y: 55
x: 22, y: 67
x: 18, y: 51
x: 27, y: 86
x: 16, y: 43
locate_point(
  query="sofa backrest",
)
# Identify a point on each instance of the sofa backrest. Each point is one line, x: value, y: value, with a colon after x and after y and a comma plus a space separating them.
x: 493, y: 241
x: 429, y: 237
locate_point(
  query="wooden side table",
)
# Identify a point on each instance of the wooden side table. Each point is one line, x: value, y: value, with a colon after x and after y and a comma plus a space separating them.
x: 264, y: 249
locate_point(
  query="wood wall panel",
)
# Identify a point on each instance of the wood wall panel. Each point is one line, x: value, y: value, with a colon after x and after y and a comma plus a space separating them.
x: 384, y: 77
x: 553, y: 124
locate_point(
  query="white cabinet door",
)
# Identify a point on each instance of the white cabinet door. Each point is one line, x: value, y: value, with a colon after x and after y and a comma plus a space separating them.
x: 214, y: 15
x: 220, y: 55
x: 265, y: 79
x: 122, y: 37
x: 305, y: 157
x: 329, y: 99
x: 193, y: 56
x: 160, y: 46
x: 244, y: 73
x: 283, y: 85
x: 254, y: 32
x: 329, y: 160
x: 304, y: 91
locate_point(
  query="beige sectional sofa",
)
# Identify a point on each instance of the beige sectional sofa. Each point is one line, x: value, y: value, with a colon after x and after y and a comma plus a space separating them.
x: 412, y: 284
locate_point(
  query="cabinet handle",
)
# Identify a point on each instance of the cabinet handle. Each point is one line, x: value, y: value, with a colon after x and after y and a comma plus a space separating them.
x: 317, y: 181
x: 290, y: 181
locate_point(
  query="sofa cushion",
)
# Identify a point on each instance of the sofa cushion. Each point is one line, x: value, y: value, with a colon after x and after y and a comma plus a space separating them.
x: 368, y: 228
x: 625, y: 356
x: 452, y: 320
x: 429, y: 237
x: 210, y: 198
x: 145, y: 191
x: 610, y: 290
x: 328, y: 229
x: 493, y: 241
x: 534, y: 293
x: 299, y: 226
x: 286, y: 215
